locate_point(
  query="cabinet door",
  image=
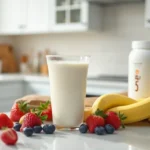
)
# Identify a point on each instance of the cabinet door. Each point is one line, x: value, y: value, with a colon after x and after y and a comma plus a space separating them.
x: 9, y: 13
x: 37, y: 88
x: 5, y: 15
x: 70, y: 15
x: 10, y: 16
x: 37, y: 20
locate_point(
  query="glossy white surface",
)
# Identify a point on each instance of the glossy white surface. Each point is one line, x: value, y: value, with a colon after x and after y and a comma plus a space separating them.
x: 132, y: 138
x: 94, y: 87
x: 22, y: 77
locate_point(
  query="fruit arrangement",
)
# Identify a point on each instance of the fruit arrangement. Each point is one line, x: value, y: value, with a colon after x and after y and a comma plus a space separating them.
x: 19, y: 109
x: 108, y: 113
x: 134, y: 110
x: 102, y: 123
x: 32, y: 123
x: 27, y: 121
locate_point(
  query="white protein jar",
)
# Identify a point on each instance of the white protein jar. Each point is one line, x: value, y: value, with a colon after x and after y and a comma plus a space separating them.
x: 139, y: 70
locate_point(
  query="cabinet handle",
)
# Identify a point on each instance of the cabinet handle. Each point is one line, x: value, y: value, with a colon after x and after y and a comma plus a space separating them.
x: 22, y: 26
x: 148, y: 20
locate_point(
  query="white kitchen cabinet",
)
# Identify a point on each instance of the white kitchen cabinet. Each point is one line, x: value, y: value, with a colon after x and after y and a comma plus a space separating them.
x: 147, y: 13
x: 13, y: 16
x: 10, y: 16
x: 76, y: 15
x: 21, y: 17
x: 9, y: 92
x: 7, y: 103
x: 37, y: 18
x: 44, y: 16
x: 11, y: 89
x: 40, y: 88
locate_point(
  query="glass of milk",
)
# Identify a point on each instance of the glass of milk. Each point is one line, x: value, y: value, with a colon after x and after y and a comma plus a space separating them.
x: 67, y: 75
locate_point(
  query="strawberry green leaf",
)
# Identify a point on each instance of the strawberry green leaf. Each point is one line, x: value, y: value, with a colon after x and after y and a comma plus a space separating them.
x: 23, y: 106
x: 122, y: 117
x: 38, y: 111
x: 100, y: 113
x: 43, y: 118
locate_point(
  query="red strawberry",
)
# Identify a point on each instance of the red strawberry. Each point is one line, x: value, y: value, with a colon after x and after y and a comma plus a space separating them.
x: 5, y: 121
x: 9, y: 136
x: 10, y: 124
x: 93, y: 121
x: 46, y: 110
x: 18, y: 110
x: 30, y: 120
x: 114, y: 119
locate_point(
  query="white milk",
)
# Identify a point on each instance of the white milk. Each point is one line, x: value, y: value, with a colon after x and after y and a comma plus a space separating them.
x: 68, y: 90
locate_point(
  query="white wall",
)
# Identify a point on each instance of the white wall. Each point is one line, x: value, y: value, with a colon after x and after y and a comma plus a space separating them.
x: 109, y: 48
x: 6, y: 40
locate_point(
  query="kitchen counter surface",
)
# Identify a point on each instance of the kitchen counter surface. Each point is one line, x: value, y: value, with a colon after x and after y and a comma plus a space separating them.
x: 39, y: 77
x: 95, y: 86
x: 44, y: 78
x: 130, y: 138
x: 22, y: 77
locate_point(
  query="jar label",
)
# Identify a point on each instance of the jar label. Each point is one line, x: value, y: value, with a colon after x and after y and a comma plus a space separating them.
x: 137, y: 76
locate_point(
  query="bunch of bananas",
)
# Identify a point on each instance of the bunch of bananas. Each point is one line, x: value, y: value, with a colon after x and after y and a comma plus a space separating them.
x: 134, y: 110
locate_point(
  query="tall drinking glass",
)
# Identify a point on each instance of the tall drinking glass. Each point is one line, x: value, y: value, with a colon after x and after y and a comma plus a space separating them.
x: 68, y: 75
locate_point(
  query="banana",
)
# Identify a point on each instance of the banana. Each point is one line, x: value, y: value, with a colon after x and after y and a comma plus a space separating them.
x: 108, y: 101
x: 134, y: 112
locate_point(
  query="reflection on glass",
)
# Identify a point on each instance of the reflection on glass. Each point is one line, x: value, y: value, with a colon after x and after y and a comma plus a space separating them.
x: 61, y: 2
x: 72, y: 2
x: 61, y: 17
x: 75, y: 15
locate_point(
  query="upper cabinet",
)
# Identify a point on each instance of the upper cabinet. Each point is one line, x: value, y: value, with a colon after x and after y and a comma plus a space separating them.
x: 10, y: 16
x: 147, y: 13
x: 43, y: 16
x: 76, y: 15
x: 37, y: 16
x: 24, y: 16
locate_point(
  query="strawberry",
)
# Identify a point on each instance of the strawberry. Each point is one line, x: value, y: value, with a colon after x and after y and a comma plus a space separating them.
x: 31, y: 119
x: 46, y: 110
x: 114, y: 119
x: 5, y: 121
x: 10, y: 124
x: 95, y: 120
x: 9, y: 136
x: 18, y: 110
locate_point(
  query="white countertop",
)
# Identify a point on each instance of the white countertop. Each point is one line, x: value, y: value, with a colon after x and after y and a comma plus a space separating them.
x: 39, y: 77
x: 94, y: 87
x: 131, y: 138
x: 23, y: 77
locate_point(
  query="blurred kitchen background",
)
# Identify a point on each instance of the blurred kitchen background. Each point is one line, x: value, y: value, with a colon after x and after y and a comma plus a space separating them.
x: 104, y: 29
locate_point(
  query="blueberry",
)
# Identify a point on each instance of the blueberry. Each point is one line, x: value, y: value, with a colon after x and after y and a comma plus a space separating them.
x: 109, y: 129
x: 17, y: 126
x: 28, y: 131
x: 49, y: 128
x: 100, y: 130
x: 83, y: 128
x: 37, y: 129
